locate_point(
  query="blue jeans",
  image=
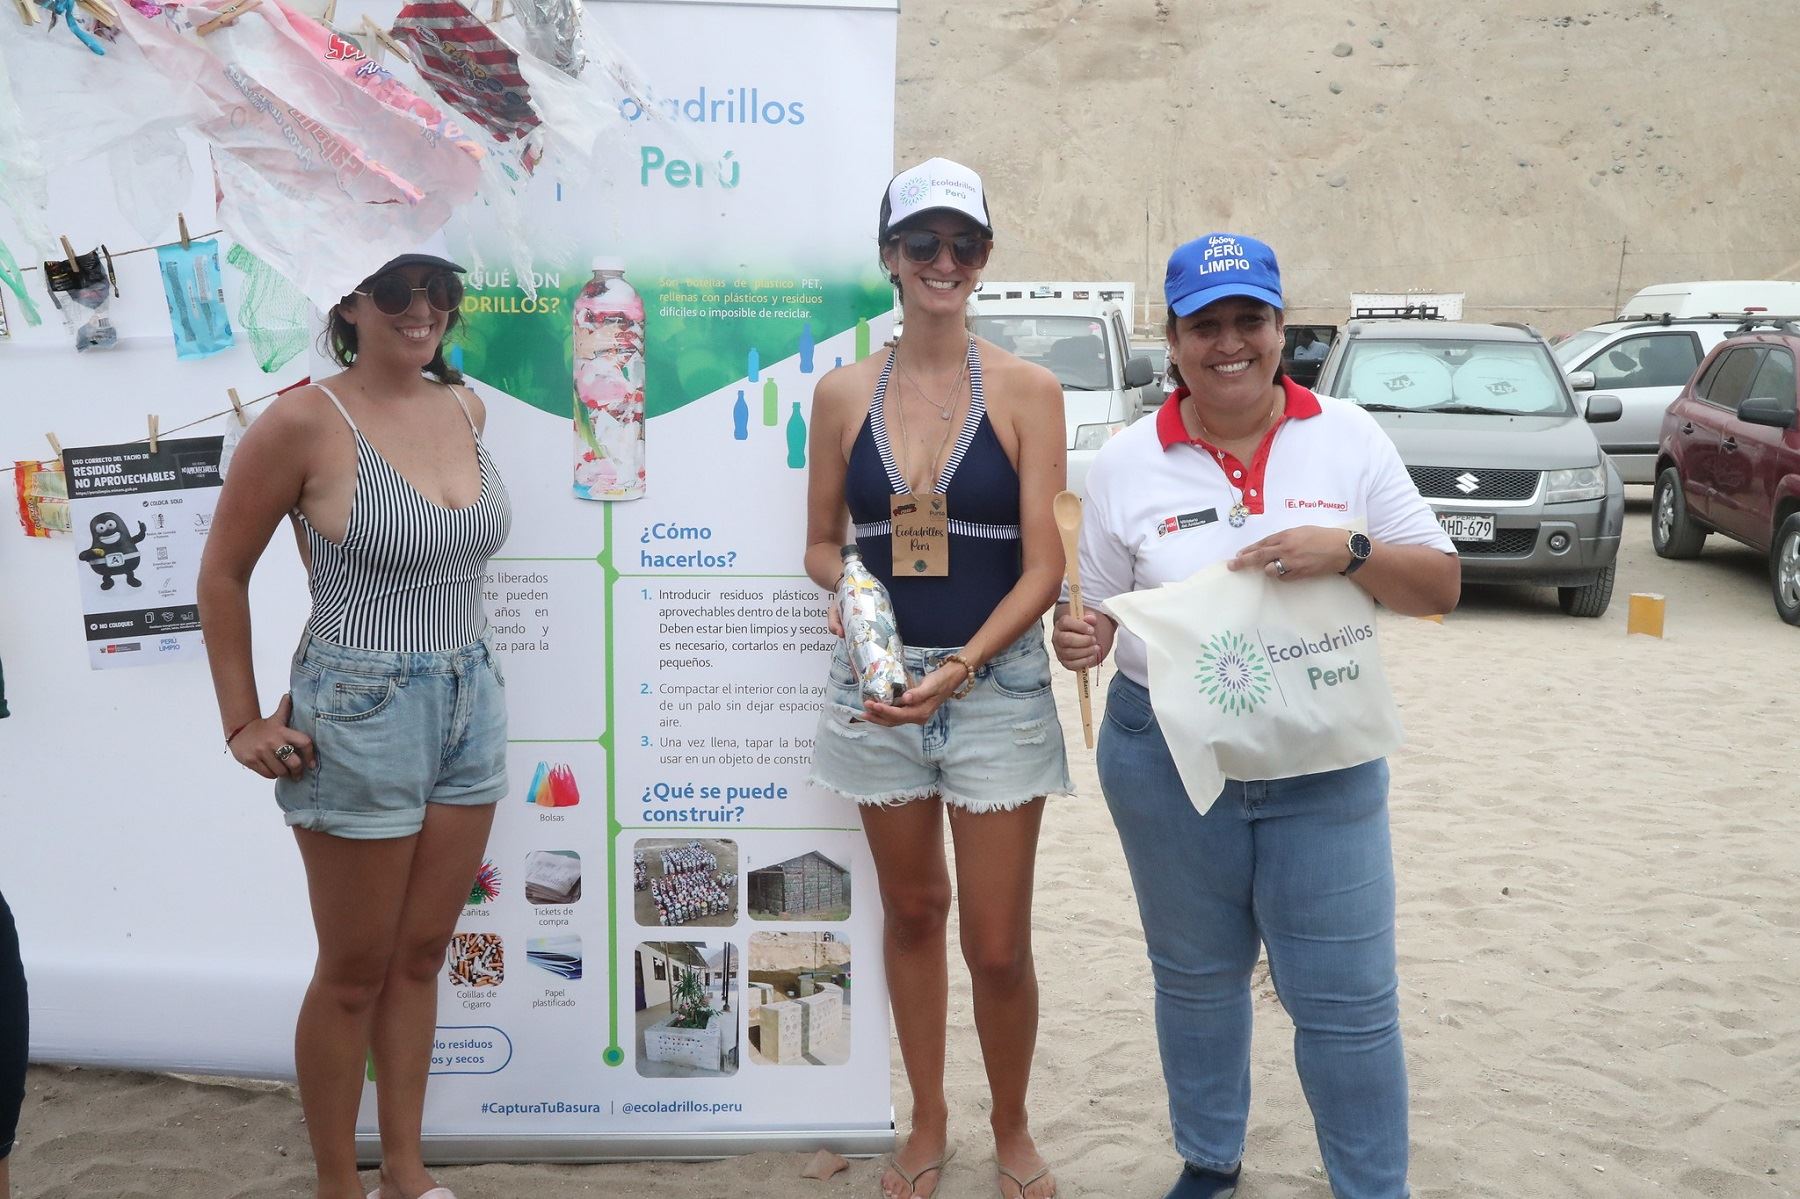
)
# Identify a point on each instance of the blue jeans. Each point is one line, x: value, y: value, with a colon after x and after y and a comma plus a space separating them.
x: 1302, y: 865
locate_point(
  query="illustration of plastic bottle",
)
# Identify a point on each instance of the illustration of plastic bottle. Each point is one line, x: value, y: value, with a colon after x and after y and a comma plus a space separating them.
x: 753, y: 361
x: 871, y: 633
x: 771, y: 402
x: 609, y: 386
x: 862, y: 338
x: 840, y: 360
x: 796, y: 435
x: 806, y: 347
x: 740, y: 418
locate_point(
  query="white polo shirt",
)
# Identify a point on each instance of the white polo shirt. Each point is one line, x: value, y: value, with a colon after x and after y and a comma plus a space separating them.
x: 1159, y: 502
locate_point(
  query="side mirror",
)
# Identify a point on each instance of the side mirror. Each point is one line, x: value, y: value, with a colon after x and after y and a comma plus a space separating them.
x: 1581, y: 380
x: 1139, y: 372
x: 1602, y: 410
x: 1767, y: 410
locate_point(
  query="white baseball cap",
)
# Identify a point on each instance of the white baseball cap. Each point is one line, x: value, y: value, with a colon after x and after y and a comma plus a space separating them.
x: 935, y: 185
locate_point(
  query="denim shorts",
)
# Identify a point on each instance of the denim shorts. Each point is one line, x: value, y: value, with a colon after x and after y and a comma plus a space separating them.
x: 998, y: 747
x: 394, y: 732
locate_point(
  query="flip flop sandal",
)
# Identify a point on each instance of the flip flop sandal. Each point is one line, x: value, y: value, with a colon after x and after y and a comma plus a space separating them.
x: 891, y: 1163
x: 1022, y: 1184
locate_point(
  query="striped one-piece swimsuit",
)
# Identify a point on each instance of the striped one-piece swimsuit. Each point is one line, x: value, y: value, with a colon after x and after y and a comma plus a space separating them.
x: 407, y: 577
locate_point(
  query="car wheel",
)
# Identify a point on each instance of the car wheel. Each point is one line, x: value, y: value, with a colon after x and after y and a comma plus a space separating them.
x: 1784, y: 569
x: 1672, y: 534
x: 1589, y: 599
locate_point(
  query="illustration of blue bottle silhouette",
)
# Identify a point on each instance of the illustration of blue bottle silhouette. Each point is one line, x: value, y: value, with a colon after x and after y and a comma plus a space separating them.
x: 754, y: 362
x: 796, y: 435
x: 740, y: 418
x: 806, y: 347
x: 771, y: 403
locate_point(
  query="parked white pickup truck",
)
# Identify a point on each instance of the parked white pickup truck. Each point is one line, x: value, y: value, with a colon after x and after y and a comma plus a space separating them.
x: 1080, y: 332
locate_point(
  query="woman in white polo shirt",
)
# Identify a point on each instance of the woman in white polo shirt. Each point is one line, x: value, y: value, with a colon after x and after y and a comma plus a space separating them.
x: 1243, y: 465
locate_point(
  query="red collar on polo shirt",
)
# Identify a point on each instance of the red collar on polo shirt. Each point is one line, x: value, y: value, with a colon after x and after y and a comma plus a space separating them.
x: 1171, y: 430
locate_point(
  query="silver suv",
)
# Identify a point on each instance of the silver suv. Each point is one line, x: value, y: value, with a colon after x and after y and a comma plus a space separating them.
x: 1645, y: 361
x: 1490, y: 431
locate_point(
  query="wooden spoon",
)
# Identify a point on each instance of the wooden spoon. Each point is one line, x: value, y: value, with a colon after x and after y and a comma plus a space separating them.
x: 1067, y: 507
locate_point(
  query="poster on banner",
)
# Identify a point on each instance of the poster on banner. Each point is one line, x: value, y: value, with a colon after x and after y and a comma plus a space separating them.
x: 140, y: 520
x: 671, y: 928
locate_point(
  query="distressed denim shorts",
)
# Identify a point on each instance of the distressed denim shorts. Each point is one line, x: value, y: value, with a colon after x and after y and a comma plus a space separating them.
x: 996, y: 748
x: 394, y: 732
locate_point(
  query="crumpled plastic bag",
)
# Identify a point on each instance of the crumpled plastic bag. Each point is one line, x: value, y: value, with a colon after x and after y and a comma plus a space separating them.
x: 83, y: 294
x: 469, y: 65
x: 319, y: 178
x: 553, y: 32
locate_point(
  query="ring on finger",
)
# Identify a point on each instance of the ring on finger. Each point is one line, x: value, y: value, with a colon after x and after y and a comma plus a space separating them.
x: 1280, y: 567
x: 285, y: 752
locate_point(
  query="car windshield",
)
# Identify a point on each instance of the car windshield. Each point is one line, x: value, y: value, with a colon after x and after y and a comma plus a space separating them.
x: 1570, y: 349
x: 1444, y: 375
x: 1074, y: 348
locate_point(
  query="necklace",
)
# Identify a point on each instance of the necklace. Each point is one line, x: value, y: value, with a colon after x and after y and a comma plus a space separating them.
x: 935, y: 464
x: 1240, y: 512
x: 944, y: 411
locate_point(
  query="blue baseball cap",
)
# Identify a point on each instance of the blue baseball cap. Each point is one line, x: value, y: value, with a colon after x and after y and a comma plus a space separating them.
x: 1217, y: 266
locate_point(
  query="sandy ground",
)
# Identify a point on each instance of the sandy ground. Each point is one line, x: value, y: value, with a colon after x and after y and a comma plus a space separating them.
x: 1595, y: 846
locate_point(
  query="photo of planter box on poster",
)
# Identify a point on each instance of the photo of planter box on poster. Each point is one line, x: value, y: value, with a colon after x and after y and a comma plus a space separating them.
x: 616, y: 986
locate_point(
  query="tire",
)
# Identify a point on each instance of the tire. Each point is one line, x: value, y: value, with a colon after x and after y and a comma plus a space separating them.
x: 1590, y: 599
x: 1784, y: 568
x: 1672, y: 533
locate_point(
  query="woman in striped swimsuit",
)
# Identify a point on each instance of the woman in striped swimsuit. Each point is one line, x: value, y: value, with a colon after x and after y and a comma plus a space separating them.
x: 388, y: 752
x: 977, y: 734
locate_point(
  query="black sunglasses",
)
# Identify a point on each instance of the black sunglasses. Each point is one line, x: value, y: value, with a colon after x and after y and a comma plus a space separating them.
x: 922, y: 246
x: 393, y: 295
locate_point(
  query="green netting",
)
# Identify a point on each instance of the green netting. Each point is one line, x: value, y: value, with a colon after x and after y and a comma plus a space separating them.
x: 273, y: 313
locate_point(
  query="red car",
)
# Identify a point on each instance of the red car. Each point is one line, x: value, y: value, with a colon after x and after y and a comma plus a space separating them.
x: 1729, y: 458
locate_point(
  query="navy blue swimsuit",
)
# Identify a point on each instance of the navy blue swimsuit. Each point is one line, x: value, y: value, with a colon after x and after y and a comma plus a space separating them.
x: 982, y: 490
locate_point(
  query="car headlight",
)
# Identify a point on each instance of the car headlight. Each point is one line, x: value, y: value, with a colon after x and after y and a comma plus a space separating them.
x: 1092, y: 437
x: 1583, y: 483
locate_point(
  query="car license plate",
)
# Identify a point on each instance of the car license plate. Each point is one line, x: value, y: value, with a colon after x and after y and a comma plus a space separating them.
x: 1467, y: 526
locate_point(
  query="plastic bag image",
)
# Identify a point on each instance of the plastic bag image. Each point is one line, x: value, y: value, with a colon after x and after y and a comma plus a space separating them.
x: 196, y: 298
x: 83, y: 294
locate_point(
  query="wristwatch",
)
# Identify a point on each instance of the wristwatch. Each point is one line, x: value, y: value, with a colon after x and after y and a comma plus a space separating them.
x: 1360, y: 547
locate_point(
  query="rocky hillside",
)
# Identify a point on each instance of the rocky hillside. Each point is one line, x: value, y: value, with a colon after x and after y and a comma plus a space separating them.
x: 1518, y: 152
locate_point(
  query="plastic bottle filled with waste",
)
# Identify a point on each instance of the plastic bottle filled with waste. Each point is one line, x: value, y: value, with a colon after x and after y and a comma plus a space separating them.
x: 871, y: 632
x: 609, y: 386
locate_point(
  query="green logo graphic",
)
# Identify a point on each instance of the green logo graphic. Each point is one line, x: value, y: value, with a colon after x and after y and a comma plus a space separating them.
x: 1233, y: 674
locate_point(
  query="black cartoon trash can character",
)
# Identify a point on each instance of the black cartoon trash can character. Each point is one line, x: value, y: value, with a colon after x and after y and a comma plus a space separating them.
x: 113, y: 551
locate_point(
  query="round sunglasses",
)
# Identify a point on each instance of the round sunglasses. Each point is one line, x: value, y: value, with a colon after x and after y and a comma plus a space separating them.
x: 393, y: 295
x: 922, y: 246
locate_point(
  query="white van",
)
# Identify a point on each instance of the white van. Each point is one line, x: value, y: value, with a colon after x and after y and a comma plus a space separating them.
x: 1085, y: 343
x: 1703, y: 298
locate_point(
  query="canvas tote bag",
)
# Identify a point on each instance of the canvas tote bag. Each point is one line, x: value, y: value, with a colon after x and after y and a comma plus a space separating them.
x: 1254, y: 678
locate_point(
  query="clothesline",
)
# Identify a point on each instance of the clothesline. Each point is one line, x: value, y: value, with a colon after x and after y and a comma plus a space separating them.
x: 162, y: 433
x: 144, y: 249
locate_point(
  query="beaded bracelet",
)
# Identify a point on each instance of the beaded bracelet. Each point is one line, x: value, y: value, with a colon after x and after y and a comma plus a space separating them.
x: 968, y: 684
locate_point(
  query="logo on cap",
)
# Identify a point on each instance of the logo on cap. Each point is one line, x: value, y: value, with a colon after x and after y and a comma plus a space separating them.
x: 913, y: 190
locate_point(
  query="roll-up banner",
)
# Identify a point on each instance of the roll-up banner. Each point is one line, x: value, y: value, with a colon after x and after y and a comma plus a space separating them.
x: 672, y: 948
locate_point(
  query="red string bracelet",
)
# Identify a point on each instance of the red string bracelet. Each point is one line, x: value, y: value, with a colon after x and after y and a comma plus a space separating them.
x: 229, y: 737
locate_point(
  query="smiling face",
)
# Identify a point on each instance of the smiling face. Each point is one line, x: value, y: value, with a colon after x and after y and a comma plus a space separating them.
x: 943, y: 285
x: 1228, y: 352
x: 409, y: 339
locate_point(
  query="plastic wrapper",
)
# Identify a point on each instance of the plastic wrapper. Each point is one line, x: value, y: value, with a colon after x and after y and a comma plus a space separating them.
x: 303, y: 156
x: 42, y: 492
x: 152, y: 175
x: 83, y: 295
x: 871, y: 632
x: 196, y: 298
x: 469, y: 66
x: 553, y: 32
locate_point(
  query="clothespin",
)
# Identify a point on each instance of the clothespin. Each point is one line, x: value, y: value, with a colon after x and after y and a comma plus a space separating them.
x: 327, y: 17
x: 226, y: 16
x: 103, y: 12
x: 55, y: 445
x: 28, y: 12
x: 237, y: 406
x: 379, y: 34
x: 153, y: 422
x: 181, y: 222
x: 69, y: 254
x: 499, y: 10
